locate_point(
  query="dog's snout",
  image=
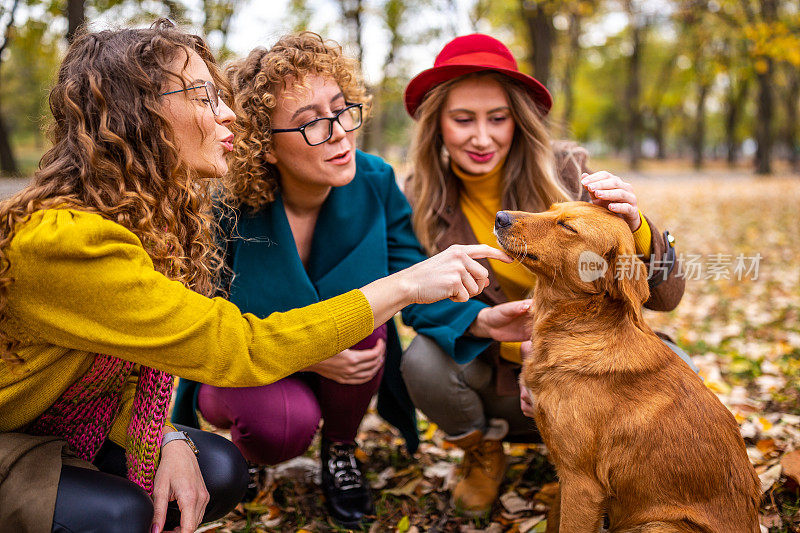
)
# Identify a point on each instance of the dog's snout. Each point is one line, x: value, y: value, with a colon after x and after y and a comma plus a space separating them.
x: 502, y: 220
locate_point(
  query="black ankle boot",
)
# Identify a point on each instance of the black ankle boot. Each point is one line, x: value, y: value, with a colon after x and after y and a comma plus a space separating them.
x: 347, y: 494
x: 256, y: 474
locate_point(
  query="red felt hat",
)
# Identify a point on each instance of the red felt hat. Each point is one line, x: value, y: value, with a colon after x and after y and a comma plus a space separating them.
x: 467, y: 54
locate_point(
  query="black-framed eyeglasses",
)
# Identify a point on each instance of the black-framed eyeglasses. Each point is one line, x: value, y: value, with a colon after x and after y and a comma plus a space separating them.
x: 213, y: 95
x: 320, y: 130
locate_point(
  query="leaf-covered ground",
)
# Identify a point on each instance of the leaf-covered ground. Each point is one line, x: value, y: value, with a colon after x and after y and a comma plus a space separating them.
x: 744, y: 334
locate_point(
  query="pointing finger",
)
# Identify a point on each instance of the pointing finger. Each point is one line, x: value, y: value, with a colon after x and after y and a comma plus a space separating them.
x: 480, y: 251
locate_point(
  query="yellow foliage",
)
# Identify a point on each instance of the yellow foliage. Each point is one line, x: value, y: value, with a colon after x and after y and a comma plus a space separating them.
x: 718, y: 387
x: 772, y: 40
x: 428, y: 435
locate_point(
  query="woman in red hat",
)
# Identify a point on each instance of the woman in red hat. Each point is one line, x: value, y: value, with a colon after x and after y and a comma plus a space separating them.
x: 481, y: 145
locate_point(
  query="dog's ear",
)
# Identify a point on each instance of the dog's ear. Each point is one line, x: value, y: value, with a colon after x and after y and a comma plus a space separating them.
x: 626, y: 278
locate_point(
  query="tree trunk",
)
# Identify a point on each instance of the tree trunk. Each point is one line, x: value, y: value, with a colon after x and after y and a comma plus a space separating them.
x: 657, y: 110
x: 764, y: 114
x: 8, y: 163
x: 541, y: 36
x: 352, y: 11
x: 633, y: 89
x: 737, y: 95
x: 359, y: 34
x: 790, y: 133
x: 570, y: 66
x: 394, y: 14
x: 175, y: 11
x: 699, y: 137
x: 765, y: 105
x: 372, y: 134
x: 75, y: 17
x: 658, y: 135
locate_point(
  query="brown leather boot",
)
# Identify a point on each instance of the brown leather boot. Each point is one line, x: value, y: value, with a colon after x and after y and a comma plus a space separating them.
x: 482, y: 469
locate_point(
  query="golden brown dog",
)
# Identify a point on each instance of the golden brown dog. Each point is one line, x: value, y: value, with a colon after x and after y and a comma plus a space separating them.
x: 632, y: 431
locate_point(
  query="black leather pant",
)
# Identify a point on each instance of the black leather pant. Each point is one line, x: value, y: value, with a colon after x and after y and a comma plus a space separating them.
x: 89, y: 501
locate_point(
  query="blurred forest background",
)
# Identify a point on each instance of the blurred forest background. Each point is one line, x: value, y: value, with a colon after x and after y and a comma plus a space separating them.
x: 700, y: 81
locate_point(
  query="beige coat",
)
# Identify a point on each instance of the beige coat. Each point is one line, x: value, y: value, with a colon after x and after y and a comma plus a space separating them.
x: 30, y: 468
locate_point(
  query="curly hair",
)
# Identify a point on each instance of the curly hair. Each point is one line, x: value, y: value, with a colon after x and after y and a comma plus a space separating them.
x: 257, y: 81
x: 530, y: 182
x: 114, y: 154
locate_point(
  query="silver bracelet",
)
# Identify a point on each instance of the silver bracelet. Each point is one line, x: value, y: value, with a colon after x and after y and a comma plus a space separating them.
x: 179, y: 435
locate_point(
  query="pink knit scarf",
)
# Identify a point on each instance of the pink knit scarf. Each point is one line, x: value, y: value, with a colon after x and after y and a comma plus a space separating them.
x: 84, y: 414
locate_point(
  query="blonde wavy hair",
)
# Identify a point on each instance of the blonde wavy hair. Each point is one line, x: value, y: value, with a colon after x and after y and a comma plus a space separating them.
x: 530, y: 182
x: 114, y: 154
x: 257, y: 81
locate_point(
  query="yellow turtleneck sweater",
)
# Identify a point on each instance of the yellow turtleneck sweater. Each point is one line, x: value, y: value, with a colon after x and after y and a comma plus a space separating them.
x: 480, y: 200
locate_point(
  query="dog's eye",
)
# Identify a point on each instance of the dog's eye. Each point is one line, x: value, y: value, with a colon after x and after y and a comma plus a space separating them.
x: 567, y: 226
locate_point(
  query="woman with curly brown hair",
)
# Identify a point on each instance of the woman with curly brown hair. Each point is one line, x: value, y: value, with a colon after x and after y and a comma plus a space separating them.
x: 322, y: 217
x: 107, y: 265
x: 481, y: 145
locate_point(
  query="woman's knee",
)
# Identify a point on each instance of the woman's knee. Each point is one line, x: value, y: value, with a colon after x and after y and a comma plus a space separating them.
x: 431, y: 374
x: 424, y: 361
x: 268, y: 444
x: 282, y: 429
x: 117, y: 505
x: 224, y: 471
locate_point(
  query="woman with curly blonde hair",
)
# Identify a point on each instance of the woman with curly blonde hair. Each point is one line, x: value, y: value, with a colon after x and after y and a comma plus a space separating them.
x: 481, y: 145
x: 323, y: 218
x: 107, y: 267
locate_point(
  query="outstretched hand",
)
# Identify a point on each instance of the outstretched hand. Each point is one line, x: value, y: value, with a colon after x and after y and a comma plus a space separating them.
x: 453, y: 273
x: 506, y: 322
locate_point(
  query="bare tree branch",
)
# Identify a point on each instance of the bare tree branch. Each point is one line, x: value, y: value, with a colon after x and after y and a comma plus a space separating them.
x: 12, y: 13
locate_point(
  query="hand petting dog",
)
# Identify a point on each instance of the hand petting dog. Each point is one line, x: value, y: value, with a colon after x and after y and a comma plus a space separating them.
x: 616, y: 195
x: 508, y: 321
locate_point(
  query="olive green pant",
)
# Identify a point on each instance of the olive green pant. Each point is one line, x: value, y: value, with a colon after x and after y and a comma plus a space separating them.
x: 462, y: 398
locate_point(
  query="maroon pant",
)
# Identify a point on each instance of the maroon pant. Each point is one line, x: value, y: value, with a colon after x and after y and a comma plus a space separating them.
x: 273, y: 423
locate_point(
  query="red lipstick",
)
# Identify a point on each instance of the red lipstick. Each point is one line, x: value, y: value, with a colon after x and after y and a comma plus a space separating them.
x: 479, y: 157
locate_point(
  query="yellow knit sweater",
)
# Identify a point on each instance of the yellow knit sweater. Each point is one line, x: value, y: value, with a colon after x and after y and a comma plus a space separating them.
x: 480, y: 200
x: 84, y: 285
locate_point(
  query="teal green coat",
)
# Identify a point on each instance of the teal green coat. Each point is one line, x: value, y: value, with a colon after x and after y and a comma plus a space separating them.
x: 363, y: 233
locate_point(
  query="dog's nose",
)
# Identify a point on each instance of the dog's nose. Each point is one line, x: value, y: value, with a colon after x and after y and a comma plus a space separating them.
x: 502, y: 220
